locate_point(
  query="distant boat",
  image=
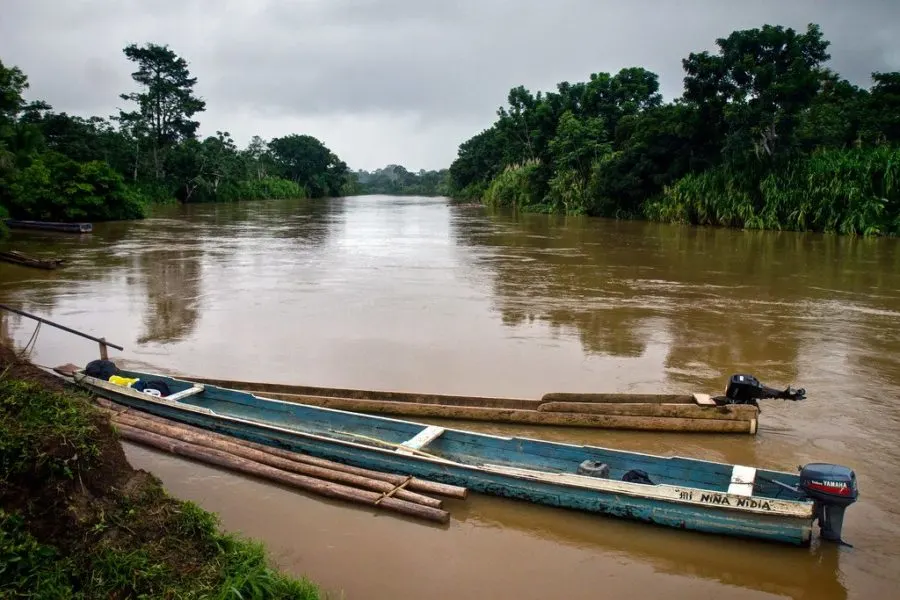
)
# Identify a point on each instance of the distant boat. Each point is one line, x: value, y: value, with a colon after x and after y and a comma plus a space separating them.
x: 50, y: 226
x: 734, y: 412
x: 19, y: 258
x: 684, y: 493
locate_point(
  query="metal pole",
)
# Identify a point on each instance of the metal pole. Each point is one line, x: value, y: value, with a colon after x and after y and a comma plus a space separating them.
x: 102, y: 341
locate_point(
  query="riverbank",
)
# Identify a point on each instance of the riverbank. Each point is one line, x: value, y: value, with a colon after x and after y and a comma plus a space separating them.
x: 77, y: 521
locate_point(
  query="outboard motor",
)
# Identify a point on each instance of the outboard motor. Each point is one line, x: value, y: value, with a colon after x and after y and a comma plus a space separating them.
x: 832, y: 488
x: 746, y: 389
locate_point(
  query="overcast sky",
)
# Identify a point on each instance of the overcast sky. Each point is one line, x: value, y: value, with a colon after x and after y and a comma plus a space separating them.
x: 397, y: 81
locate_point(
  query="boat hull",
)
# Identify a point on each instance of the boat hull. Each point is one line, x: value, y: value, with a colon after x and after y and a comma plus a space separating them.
x: 50, y: 226
x: 666, y: 505
x: 600, y: 411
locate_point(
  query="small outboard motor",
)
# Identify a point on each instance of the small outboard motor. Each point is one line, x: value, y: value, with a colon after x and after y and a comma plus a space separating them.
x: 832, y: 488
x: 746, y: 389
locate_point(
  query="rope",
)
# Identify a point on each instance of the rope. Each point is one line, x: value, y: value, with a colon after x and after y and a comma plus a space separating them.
x: 25, y: 354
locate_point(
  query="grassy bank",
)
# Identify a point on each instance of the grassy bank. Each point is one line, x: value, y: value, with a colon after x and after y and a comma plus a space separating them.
x: 77, y: 521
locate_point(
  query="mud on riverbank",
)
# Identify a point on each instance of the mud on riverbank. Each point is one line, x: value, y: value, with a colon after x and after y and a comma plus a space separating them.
x: 76, y: 520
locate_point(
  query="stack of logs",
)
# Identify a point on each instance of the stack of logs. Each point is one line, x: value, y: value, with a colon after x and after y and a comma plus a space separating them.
x: 393, y: 492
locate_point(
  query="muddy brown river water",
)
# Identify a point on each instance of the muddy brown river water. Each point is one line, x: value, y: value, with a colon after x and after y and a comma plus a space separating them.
x: 422, y: 295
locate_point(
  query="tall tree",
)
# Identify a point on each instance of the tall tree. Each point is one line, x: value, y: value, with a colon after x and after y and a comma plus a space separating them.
x: 166, y: 103
x: 310, y: 164
x: 756, y: 88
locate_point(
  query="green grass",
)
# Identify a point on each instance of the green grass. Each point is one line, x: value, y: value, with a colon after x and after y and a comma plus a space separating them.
x: 43, y: 433
x: 76, y: 522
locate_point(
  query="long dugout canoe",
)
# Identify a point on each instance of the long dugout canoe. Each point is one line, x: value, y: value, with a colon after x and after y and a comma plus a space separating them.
x: 653, y: 412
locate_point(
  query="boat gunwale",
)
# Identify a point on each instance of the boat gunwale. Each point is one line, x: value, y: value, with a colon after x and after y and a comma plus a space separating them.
x: 797, y: 509
x: 410, y: 397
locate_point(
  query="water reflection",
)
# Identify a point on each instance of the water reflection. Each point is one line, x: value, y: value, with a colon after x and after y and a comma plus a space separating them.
x: 172, y: 281
x: 725, y: 301
x: 747, y: 564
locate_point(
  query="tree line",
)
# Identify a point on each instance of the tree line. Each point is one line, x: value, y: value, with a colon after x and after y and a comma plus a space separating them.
x: 59, y: 167
x: 764, y: 136
x: 395, y: 180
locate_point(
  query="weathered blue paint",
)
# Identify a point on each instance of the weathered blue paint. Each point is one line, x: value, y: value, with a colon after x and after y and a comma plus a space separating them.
x: 323, y: 432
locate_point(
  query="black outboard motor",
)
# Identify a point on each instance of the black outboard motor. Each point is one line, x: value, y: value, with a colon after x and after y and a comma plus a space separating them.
x: 746, y: 389
x: 832, y: 488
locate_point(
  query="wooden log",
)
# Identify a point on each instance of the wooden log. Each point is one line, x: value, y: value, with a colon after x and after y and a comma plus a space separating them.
x: 310, y: 484
x: 419, y: 485
x: 209, y: 440
x: 416, y: 484
x: 729, y: 412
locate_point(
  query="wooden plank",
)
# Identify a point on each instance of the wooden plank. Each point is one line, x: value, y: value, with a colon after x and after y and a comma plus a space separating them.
x: 742, y: 479
x: 704, y: 400
x: 178, y: 396
x: 422, y: 439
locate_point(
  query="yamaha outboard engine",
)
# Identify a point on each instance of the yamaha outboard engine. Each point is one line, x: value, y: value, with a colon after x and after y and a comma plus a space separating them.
x: 832, y: 488
x: 746, y: 389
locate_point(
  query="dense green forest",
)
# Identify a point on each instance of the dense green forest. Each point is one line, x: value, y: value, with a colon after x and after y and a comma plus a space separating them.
x: 764, y: 136
x: 396, y: 180
x: 58, y: 167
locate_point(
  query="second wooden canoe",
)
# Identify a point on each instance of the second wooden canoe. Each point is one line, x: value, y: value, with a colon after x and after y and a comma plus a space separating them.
x: 19, y: 258
x: 653, y: 412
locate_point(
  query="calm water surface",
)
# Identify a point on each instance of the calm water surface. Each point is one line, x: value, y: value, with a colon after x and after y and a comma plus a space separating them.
x: 417, y: 294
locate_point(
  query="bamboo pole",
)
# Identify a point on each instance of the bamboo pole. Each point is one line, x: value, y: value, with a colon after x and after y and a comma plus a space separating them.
x: 310, y: 484
x: 416, y: 484
x: 210, y: 440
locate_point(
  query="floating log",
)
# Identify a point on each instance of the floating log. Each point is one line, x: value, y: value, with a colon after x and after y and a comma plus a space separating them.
x: 414, y: 484
x: 218, y: 442
x: 310, y: 484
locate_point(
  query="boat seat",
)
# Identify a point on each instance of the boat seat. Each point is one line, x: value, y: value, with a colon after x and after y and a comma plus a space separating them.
x: 742, y: 479
x: 421, y: 439
x: 704, y: 400
x: 178, y: 396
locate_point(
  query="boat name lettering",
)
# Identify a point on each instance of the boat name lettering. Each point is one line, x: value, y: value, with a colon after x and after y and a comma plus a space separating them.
x: 683, y: 495
x: 723, y: 500
x: 715, y: 499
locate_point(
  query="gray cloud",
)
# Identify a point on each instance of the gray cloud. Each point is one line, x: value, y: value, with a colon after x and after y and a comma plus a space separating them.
x: 413, y: 78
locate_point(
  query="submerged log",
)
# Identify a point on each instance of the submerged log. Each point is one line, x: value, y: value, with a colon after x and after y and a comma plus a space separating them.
x: 212, y: 440
x: 310, y: 484
x: 415, y: 484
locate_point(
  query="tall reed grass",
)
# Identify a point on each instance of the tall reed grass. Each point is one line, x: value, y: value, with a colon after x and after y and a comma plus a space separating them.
x: 852, y: 191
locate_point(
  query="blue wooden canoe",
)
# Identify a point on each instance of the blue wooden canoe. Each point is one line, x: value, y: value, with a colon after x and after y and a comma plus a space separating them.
x: 684, y: 493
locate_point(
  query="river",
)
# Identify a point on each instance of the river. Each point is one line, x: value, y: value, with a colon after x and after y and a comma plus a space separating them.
x: 420, y: 294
